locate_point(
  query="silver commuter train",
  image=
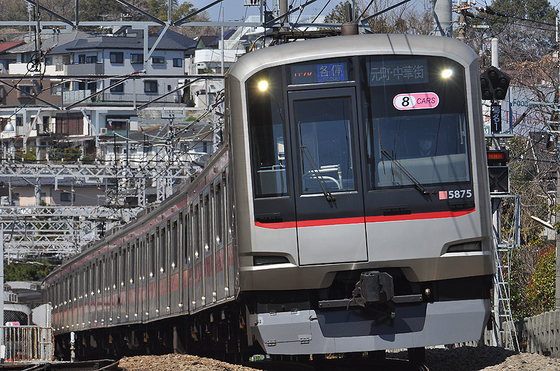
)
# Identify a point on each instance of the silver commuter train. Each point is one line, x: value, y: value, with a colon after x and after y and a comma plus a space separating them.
x: 348, y: 211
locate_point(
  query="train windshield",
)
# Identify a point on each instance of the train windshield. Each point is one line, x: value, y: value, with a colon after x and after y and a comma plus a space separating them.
x: 311, y: 120
x: 415, y: 118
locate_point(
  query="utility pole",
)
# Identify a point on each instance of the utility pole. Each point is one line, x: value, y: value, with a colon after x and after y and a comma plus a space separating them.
x: 555, y: 121
x: 442, y: 22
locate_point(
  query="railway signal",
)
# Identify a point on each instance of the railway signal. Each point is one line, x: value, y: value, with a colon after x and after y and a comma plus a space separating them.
x: 498, y: 171
x: 494, y: 84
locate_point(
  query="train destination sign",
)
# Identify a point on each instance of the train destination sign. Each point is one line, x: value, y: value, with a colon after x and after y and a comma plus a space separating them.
x: 396, y: 72
x: 319, y: 73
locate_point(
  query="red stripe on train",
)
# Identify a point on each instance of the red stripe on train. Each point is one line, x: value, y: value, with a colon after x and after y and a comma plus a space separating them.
x: 368, y: 219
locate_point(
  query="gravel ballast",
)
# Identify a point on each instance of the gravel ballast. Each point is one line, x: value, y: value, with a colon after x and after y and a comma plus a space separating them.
x: 458, y: 359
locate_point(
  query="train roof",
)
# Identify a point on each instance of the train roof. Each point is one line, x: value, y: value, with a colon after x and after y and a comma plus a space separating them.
x: 339, y: 46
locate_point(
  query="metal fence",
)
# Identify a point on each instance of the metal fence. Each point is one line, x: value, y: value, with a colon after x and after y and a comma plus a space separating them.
x: 27, y: 343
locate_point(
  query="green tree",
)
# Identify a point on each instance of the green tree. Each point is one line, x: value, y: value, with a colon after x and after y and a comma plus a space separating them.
x: 541, y: 291
x: 32, y: 271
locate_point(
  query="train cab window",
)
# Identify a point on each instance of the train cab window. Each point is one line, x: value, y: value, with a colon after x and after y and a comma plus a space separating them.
x: 417, y: 135
x: 267, y: 132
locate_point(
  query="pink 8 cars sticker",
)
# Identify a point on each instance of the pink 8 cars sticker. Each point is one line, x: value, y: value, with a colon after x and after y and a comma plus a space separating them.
x: 416, y: 101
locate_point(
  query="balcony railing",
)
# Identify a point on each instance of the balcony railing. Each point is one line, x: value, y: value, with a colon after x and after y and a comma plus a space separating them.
x: 84, y: 69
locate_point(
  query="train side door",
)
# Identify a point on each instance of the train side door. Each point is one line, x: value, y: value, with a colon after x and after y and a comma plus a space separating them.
x: 329, y: 196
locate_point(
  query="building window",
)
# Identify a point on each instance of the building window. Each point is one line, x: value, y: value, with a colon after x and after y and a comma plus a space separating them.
x: 158, y: 60
x: 177, y: 62
x: 91, y: 59
x: 118, y: 88
x: 25, y: 91
x: 81, y: 58
x: 66, y: 197
x: 117, y: 57
x: 137, y: 58
x: 150, y: 86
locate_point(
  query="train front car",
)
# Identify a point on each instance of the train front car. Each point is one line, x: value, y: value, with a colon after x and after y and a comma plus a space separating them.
x: 362, y: 200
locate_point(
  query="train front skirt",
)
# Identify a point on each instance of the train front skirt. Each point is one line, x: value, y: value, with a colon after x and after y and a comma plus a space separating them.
x: 342, y: 330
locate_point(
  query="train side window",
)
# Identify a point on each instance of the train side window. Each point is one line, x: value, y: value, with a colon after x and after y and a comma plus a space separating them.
x: 267, y: 132
x: 152, y: 255
x: 174, y: 244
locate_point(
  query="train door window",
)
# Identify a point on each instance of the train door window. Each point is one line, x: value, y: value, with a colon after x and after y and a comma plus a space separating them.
x: 218, y: 213
x: 174, y: 244
x: 106, y: 275
x: 68, y: 296
x: 132, y: 269
x: 228, y: 215
x: 124, y: 265
x: 141, y: 266
x: 115, y: 270
x: 75, y: 286
x: 206, y: 226
x: 196, y: 234
x: 81, y: 284
x: 152, y: 256
x: 163, y: 250
x: 188, y: 239
x: 325, y: 135
x: 267, y: 132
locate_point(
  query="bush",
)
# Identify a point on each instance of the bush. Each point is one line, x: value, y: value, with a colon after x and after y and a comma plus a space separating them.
x: 542, y: 288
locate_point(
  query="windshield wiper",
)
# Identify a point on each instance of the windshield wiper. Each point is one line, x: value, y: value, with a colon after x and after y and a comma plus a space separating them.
x: 406, y: 173
x: 318, y: 175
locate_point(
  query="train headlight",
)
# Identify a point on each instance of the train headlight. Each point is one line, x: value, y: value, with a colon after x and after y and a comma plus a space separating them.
x: 263, y: 85
x: 447, y: 73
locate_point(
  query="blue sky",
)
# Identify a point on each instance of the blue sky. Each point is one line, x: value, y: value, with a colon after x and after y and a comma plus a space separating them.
x: 235, y: 10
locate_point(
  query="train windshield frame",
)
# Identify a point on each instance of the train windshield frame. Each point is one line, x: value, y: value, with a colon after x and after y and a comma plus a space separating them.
x: 400, y: 101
